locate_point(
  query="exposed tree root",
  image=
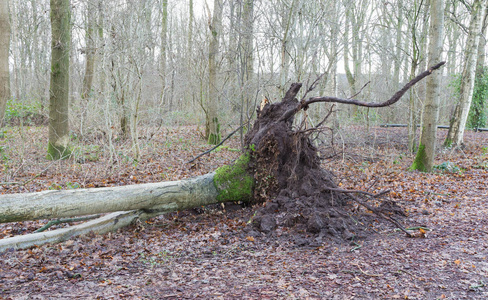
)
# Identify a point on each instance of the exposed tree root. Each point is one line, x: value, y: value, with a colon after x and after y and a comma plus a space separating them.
x: 289, y: 180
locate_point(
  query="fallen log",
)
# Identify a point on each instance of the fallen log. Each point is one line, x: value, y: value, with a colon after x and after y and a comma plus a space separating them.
x: 127, y: 203
x: 152, y: 197
x: 110, y: 222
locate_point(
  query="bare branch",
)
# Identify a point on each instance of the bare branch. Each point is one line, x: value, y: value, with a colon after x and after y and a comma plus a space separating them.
x: 361, y: 90
x: 388, y: 102
x: 216, y: 146
x: 295, y: 87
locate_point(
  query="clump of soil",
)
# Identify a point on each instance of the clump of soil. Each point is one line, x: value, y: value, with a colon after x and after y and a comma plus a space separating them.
x: 289, y: 180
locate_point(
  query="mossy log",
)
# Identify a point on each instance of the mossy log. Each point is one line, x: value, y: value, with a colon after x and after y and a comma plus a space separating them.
x: 126, y: 203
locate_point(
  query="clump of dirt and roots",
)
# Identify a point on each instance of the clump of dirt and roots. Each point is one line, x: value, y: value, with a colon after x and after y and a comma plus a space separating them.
x: 295, y: 190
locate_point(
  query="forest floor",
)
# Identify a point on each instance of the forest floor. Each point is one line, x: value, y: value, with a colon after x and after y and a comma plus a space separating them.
x: 210, y: 253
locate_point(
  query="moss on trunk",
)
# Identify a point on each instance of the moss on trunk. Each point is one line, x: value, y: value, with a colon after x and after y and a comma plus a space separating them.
x: 419, y: 162
x: 57, y: 152
x: 234, y: 182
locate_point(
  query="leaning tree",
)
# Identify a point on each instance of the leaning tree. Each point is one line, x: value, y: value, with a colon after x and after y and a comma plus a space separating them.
x: 280, y: 168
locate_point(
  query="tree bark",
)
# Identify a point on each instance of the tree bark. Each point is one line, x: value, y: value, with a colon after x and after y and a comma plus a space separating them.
x: 4, y: 54
x: 90, y: 52
x: 58, y: 145
x: 286, y: 17
x: 460, y: 116
x: 158, y: 197
x: 213, y: 124
x: 424, y: 160
x: 164, y: 42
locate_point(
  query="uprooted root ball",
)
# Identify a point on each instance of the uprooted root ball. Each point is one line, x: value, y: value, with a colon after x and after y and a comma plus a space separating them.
x: 289, y: 179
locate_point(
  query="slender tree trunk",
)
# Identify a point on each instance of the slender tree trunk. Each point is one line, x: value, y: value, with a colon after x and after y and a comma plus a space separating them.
x: 460, y: 116
x: 418, y: 45
x: 58, y: 146
x: 190, y: 29
x: 4, y: 53
x: 164, y: 41
x: 90, y: 50
x: 350, y: 77
x: 246, y: 61
x: 213, y: 123
x: 424, y: 160
x: 398, y: 46
x: 287, y: 15
x: 90, y: 57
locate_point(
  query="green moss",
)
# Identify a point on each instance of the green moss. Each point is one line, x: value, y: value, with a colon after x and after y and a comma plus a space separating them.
x: 233, y: 182
x: 215, y: 138
x: 419, y: 162
x: 448, y: 143
x: 57, y: 152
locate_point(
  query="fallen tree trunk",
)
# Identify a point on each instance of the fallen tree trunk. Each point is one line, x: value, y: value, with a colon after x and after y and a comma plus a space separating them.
x: 160, y: 197
x: 110, y: 222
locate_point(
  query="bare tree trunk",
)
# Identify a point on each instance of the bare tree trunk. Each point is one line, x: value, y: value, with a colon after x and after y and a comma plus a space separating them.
x: 4, y: 53
x: 246, y: 62
x: 213, y: 123
x: 398, y: 46
x: 424, y: 160
x: 90, y: 57
x: 287, y: 15
x: 90, y: 49
x: 162, y: 64
x: 190, y: 29
x: 480, y: 61
x: 350, y: 77
x: 58, y: 146
x: 460, y: 116
x: 418, y: 47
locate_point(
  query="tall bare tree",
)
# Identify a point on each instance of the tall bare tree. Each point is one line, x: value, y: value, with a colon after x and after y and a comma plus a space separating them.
x: 246, y: 60
x: 58, y: 145
x: 4, y: 51
x: 90, y: 49
x: 164, y: 41
x: 460, y: 116
x: 424, y: 160
x: 213, y: 124
x: 418, y: 28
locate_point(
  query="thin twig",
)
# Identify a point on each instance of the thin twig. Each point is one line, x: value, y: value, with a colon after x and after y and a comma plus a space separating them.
x: 216, y: 146
x: 373, y: 275
x: 22, y: 183
x: 361, y: 90
x: 379, y: 214
x: 60, y: 221
x: 312, y: 86
x: 357, y: 192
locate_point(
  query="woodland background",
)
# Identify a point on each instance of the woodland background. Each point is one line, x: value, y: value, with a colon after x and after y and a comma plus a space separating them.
x: 147, y: 81
x: 137, y: 65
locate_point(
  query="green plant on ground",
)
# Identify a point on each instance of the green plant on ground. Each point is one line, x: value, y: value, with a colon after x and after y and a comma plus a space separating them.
x: 73, y: 185
x: 448, y: 167
x: 15, y: 108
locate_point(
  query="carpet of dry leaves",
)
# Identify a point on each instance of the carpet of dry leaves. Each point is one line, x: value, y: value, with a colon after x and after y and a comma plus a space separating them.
x: 210, y: 253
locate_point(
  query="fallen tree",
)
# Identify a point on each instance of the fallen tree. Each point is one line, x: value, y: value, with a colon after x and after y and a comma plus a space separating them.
x: 280, y: 168
x: 160, y: 197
